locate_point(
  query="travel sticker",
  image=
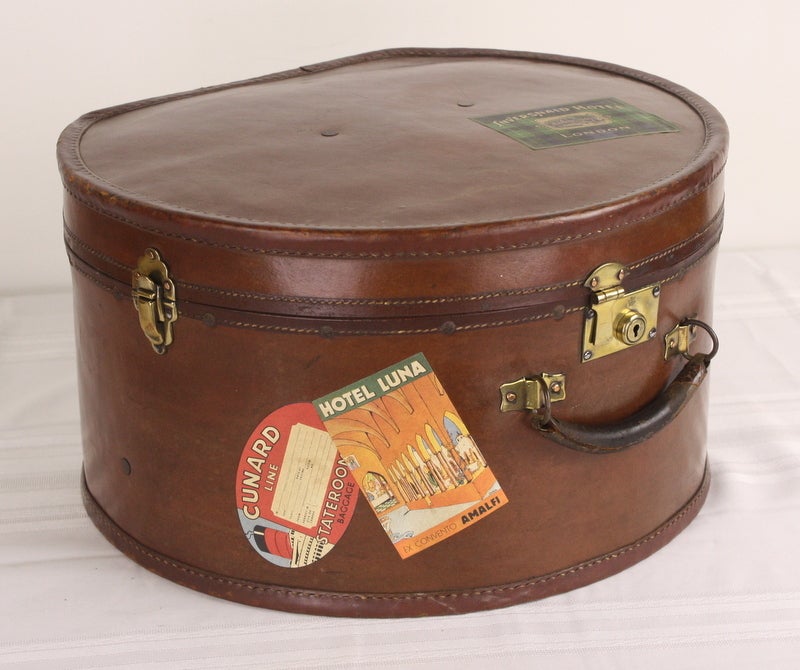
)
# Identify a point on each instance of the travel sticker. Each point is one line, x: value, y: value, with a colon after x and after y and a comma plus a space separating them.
x: 295, y: 494
x: 576, y: 123
x: 411, y: 454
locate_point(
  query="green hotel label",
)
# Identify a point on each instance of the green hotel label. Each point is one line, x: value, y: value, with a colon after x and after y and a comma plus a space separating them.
x: 576, y: 123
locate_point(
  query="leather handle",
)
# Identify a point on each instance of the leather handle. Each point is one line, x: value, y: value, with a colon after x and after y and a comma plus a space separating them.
x: 639, y: 426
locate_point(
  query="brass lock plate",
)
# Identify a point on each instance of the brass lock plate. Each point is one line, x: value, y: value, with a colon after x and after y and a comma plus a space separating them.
x: 617, y: 319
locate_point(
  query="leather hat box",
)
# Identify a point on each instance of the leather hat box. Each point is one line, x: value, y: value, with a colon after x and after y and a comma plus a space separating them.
x: 415, y: 332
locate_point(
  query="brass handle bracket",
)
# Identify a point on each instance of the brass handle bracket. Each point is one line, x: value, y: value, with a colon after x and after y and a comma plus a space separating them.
x: 534, y: 394
x: 680, y: 338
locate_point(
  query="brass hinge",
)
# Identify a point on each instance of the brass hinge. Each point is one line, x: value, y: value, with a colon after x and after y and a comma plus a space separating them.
x: 154, y: 299
x: 617, y: 319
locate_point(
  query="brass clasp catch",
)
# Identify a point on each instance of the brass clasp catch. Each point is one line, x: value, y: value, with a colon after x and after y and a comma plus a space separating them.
x: 154, y: 298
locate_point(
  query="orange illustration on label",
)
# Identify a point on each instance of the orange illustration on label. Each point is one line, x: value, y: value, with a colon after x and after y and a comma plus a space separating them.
x: 411, y: 455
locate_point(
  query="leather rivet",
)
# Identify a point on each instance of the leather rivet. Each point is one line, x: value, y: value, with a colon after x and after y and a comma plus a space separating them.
x: 448, y: 328
x: 326, y: 332
x: 209, y: 320
x: 559, y: 311
x: 126, y: 466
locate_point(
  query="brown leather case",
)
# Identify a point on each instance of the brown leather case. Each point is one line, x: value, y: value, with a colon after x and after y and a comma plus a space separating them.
x: 319, y: 225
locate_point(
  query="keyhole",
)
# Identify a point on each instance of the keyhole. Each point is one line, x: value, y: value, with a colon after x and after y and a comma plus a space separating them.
x: 630, y: 327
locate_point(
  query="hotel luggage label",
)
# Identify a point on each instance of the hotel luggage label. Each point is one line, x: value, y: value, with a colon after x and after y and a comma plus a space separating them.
x: 576, y: 123
x: 411, y: 454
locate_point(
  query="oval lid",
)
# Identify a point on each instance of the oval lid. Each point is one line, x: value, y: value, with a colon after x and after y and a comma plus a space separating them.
x: 392, y: 143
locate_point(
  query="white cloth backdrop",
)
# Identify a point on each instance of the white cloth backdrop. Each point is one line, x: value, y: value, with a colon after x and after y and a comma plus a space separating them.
x: 724, y: 594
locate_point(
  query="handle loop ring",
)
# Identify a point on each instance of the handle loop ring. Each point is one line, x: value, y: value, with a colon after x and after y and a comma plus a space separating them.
x: 710, y: 331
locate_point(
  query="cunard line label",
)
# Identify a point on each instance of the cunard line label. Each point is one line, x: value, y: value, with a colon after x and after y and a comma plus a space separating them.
x: 411, y: 454
x: 295, y: 494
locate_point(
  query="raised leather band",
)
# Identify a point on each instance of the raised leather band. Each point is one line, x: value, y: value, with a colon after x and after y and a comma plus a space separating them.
x: 402, y: 317
x: 386, y: 605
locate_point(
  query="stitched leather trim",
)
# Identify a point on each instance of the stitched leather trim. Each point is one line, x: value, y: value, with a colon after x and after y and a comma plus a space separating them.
x: 391, y: 604
x: 110, y: 200
x: 388, y: 324
x: 74, y: 242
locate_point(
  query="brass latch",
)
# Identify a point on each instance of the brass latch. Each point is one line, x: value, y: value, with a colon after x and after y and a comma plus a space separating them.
x: 534, y: 394
x: 617, y: 319
x: 154, y: 299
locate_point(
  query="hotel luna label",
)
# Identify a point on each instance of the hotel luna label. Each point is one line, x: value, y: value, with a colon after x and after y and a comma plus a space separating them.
x: 411, y: 455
